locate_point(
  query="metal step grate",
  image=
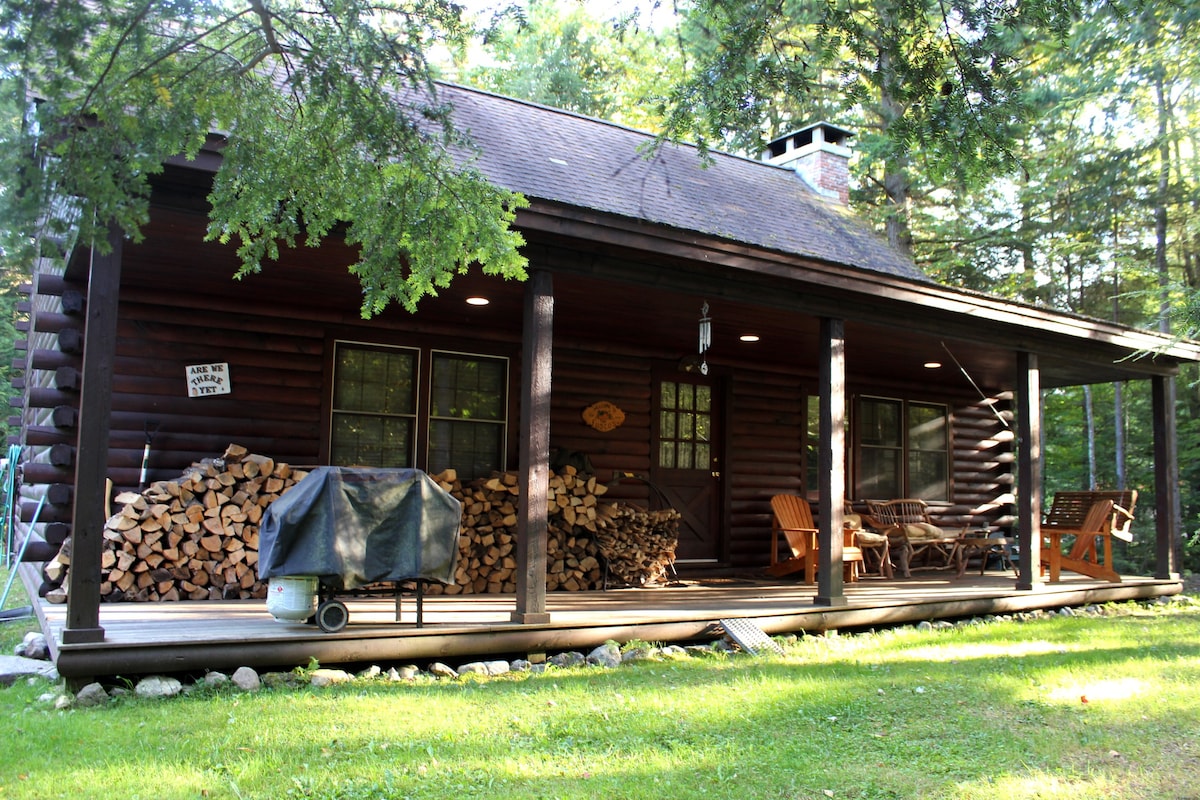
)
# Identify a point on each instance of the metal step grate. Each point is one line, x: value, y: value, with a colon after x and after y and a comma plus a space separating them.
x: 750, y: 637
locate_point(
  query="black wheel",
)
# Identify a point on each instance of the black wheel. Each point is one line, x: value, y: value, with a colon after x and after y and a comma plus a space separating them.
x: 332, y: 616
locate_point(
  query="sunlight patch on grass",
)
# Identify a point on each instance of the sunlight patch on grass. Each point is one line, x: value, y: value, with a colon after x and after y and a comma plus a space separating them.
x: 979, y: 711
x: 1038, y: 785
x: 944, y: 652
x: 1097, y: 691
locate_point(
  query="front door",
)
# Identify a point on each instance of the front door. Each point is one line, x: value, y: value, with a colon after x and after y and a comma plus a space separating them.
x: 687, y: 462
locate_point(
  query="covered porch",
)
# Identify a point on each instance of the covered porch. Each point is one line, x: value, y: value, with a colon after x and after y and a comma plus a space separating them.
x: 809, y: 325
x: 143, y: 638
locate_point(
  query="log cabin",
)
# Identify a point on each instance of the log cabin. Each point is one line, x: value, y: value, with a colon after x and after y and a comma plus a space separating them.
x: 697, y: 336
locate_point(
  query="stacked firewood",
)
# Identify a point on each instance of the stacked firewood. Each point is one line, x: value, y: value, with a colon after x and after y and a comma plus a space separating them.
x: 639, y: 546
x: 585, y: 535
x: 487, y: 561
x: 194, y: 538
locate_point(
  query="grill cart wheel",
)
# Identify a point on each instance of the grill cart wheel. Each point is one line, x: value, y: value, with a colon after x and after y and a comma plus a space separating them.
x: 332, y: 616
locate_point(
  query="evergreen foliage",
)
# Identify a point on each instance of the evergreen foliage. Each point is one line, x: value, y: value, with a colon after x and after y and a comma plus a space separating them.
x: 329, y: 116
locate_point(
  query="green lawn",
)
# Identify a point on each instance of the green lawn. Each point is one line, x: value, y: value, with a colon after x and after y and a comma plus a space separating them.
x: 1060, y: 707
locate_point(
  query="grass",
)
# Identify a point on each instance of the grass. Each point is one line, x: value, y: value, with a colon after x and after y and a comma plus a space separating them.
x: 13, y: 631
x: 1061, y: 707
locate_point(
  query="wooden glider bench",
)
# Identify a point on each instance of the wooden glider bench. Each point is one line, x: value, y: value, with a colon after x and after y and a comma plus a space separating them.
x: 1089, y: 517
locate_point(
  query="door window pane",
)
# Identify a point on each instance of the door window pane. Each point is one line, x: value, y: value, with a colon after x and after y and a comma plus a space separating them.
x: 685, y: 426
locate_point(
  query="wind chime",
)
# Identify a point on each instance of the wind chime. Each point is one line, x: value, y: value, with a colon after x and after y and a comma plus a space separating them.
x: 705, y: 336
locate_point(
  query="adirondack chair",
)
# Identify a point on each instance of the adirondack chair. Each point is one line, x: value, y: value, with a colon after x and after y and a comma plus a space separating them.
x: 1084, y: 558
x: 792, y: 516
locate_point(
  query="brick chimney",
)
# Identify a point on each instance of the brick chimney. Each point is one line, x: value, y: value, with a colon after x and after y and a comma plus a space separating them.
x: 820, y: 156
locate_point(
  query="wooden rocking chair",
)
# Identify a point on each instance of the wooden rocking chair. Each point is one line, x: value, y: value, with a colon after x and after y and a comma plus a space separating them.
x: 1084, y: 557
x: 793, y: 518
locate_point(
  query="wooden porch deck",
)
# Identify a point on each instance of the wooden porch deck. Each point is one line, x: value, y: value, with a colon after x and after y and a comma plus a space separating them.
x: 142, y: 638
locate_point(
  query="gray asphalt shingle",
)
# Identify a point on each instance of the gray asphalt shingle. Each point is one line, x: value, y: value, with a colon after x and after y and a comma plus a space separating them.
x: 566, y: 158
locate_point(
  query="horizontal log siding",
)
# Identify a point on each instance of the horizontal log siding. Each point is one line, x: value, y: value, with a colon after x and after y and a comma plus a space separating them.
x: 982, y: 466
x: 274, y: 407
x: 582, y: 378
x: 276, y: 349
x: 766, y: 440
x: 38, y: 433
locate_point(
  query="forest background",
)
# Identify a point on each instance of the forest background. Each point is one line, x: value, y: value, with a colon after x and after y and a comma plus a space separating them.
x: 1045, y: 152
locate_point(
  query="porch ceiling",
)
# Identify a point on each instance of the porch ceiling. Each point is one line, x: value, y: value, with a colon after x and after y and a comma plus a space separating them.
x: 620, y: 301
x: 622, y: 318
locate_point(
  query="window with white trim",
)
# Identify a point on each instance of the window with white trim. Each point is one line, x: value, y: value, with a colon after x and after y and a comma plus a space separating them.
x: 467, y: 413
x: 374, y: 406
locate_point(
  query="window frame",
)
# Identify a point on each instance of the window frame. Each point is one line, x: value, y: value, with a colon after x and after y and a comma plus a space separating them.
x: 414, y: 415
x: 905, y: 450
x: 424, y: 357
x: 429, y: 417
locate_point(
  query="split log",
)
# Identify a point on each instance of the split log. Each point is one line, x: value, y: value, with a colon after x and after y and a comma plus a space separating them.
x: 639, y: 546
x: 195, y: 537
x: 584, y: 535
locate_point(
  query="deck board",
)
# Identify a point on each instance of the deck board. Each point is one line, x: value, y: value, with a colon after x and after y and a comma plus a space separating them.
x: 185, y: 636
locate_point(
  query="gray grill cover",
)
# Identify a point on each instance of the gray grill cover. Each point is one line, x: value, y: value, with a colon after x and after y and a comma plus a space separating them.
x: 354, y: 526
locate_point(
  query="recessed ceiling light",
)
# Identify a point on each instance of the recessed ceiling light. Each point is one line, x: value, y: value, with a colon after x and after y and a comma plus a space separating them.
x: 933, y: 365
x: 477, y: 301
x: 749, y: 337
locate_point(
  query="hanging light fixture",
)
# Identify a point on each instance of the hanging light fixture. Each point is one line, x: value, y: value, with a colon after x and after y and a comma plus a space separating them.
x: 705, y: 336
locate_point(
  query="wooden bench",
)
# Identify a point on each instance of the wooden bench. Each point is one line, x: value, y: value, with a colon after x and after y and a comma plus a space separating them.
x: 1068, y: 516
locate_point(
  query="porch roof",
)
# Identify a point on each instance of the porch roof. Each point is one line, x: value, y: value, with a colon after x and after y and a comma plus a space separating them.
x: 752, y: 234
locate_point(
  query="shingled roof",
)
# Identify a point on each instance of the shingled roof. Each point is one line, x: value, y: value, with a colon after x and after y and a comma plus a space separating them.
x: 561, y: 157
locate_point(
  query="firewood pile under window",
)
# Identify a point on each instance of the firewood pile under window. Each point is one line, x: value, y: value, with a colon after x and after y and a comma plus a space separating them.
x: 196, y: 537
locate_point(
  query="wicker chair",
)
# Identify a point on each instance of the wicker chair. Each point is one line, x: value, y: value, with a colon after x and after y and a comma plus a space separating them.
x: 915, y: 539
x: 876, y: 548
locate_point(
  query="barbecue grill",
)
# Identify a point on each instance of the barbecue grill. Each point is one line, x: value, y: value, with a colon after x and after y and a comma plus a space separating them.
x: 353, y: 531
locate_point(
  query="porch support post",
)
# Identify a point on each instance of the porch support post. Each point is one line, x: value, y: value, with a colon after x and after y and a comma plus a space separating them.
x: 831, y: 588
x: 1029, y: 469
x: 1166, y: 481
x: 532, y: 522
x: 91, y: 456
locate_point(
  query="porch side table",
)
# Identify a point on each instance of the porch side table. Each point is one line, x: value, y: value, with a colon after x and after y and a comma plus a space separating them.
x: 978, y: 543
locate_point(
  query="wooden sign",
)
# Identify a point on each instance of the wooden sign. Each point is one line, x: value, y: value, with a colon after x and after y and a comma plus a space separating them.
x: 603, y: 416
x: 208, y: 379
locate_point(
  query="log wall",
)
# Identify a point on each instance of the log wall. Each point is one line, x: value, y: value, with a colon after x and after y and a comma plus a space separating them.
x: 276, y: 336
